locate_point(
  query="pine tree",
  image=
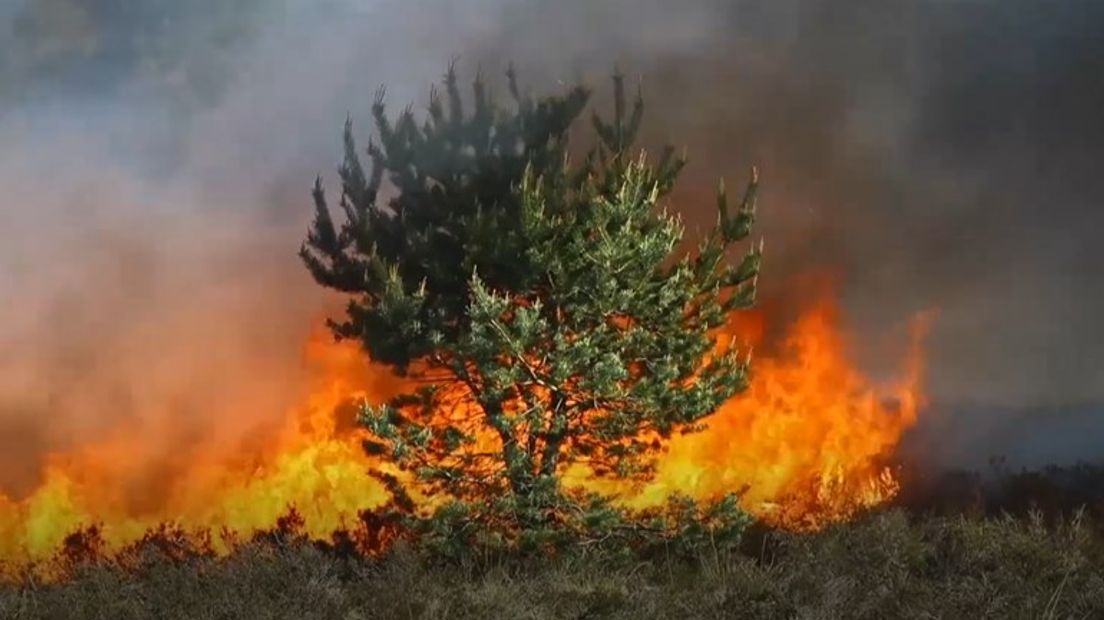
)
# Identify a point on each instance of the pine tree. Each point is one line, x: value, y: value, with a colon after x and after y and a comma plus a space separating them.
x: 535, y: 300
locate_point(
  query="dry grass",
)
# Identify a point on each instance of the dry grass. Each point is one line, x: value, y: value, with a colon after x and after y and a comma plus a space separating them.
x: 884, y: 566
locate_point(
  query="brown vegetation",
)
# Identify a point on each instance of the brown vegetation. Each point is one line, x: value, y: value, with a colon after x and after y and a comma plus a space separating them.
x: 885, y: 565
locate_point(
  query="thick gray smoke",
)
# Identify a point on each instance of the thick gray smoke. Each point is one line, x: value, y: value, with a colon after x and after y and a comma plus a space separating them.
x: 155, y: 159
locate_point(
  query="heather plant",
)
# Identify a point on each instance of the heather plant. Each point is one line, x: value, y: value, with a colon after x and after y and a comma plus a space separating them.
x: 884, y: 565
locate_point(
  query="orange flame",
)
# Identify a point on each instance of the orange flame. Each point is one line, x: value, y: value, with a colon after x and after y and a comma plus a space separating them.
x: 807, y: 444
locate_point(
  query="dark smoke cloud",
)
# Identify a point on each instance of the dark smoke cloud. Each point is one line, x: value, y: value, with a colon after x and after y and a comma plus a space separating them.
x: 936, y: 154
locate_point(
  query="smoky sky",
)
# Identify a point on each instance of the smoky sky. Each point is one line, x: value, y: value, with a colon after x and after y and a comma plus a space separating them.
x: 935, y: 155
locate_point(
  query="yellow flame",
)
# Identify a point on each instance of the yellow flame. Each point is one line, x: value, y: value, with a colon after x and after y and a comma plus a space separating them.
x: 807, y: 444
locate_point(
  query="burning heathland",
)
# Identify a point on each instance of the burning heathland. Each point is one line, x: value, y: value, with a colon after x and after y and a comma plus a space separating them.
x: 523, y: 332
x: 810, y: 441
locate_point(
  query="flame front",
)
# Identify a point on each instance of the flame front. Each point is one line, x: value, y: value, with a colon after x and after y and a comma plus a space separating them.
x: 807, y: 444
x: 226, y: 491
